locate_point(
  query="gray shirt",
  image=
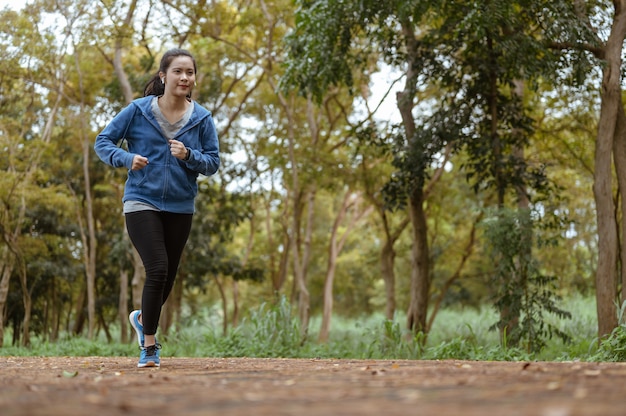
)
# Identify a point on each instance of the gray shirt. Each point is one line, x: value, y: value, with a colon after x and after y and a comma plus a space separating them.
x: 169, y: 129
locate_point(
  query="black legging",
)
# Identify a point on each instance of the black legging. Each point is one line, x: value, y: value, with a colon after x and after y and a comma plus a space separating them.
x: 159, y: 238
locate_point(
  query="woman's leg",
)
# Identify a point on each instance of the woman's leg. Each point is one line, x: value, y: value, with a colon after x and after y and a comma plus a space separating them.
x: 146, y: 231
x: 159, y: 238
x: 177, y: 228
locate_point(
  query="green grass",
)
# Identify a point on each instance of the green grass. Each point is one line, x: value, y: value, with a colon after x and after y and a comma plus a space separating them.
x: 274, y: 331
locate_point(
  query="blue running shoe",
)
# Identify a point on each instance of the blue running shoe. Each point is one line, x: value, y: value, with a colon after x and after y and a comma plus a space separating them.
x: 134, y: 321
x: 150, y: 356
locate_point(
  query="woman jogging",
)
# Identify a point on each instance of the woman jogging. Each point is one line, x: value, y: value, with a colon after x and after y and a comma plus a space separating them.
x: 171, y: 140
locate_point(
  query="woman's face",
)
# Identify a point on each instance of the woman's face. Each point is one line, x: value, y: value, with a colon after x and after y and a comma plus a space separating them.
x: 180, y: 77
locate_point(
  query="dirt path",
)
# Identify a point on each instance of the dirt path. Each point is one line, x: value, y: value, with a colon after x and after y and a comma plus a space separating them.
x: 245, y: 386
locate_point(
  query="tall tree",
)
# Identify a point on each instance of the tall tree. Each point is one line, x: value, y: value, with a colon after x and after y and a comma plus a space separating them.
x: 472, y: 52
x: 293, y: 140
x: 600, y: 28
x: 88, y: 231
x: 324, y: 53
x: 352, y: 207
x: 26, y: 135
x: 610, y: 152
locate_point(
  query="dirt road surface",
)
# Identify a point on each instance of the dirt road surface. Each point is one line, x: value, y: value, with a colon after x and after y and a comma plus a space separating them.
x: 100, y: 386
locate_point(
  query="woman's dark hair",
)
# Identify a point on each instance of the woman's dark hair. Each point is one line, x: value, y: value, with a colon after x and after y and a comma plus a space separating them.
x: 155, y: 86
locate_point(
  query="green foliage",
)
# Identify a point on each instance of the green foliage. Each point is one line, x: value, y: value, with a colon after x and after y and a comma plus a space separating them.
x: 387, y: 339
x: 612, y: 348
x: 206, y: 251
x: 239, y: 47
x: 71, y: 346
x: 473, y: 56
x: 522, y: 294
x: 273, y: 331
x: 320, y: 48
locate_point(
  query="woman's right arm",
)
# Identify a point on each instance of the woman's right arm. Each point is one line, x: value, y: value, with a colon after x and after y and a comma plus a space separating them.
x: 106, y: 142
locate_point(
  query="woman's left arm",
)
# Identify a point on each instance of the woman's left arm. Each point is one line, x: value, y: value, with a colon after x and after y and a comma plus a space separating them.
x: 206, y: 160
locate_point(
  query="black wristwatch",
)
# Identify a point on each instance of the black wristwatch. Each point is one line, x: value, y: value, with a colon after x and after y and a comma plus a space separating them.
x: 188, y: 153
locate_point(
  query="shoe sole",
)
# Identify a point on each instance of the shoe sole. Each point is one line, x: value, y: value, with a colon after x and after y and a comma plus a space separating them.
x: 148, y: 364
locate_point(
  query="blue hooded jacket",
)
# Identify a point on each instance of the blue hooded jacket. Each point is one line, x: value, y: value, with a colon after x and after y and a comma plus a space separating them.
x: 167, y: 183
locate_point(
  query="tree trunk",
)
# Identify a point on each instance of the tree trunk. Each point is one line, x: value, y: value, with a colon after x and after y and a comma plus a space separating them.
x: 300, y: 248
x: 606, y: 273
x: 510, y: 319
x: 304, y: 300
x: 469, y: 248
x: 122, y: 307
x: 235, y: 317
x: 88, y: 262
x: 170, y: 314
x: 91, y: 234
x: 90, y: 240
x: 55, y: 313
x: 351, y: 202
x: 420, y: 279
x: 420, y: 271
x: 220, y: 288
x: 13, y: 244
x: 26, y: 299
x: 7, y: 271
x: 333, y: 253
x: 79, y: 314
x: 307, y: 246
x: 387, y: 261
x: 244, y: 263
x: 280, y: 277
x: 619, y: 151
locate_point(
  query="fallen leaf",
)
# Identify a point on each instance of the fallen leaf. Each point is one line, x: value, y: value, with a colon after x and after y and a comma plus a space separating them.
x: 554, y: 385
x: 580, y: 393
x: 69, y: 374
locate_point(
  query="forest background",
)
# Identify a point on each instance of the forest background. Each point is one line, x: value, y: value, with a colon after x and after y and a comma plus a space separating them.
x: 397, y: 157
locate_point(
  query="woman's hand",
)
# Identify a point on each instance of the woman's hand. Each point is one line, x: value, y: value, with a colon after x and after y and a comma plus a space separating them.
x: 178, y: 149
x: 139, y: 162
